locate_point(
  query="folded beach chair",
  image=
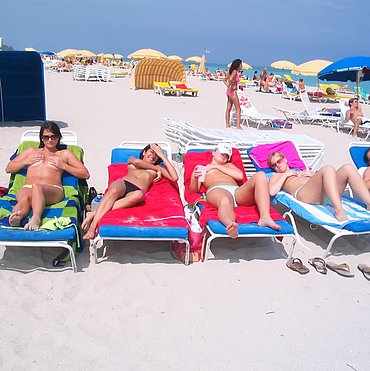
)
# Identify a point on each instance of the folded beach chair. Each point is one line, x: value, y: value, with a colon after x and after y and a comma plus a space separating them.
x: 364, y: 127
x: 248, y: 112
x: 247, y: 216
x: 62, y: 220
x: 316, y: 215
x: 160, y: 218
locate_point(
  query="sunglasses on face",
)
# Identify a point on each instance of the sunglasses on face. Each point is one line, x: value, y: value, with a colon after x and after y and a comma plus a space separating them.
x: 277, y: 163
x: 48, y: 137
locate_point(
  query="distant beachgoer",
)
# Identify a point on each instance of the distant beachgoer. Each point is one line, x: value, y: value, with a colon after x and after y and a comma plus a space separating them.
x: 264, y: 86
x: 43, y: 184
x: 301, y: 86
x: 314, y: 188
x: 263, y: 76
x: 271, y: 80
x: 255, y: 76
x: 353, y: 114
x: 231, y: 81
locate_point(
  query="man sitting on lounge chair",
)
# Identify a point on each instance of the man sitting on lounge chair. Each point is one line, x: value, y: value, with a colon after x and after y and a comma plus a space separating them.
x: 132, y: 188
x: 220, y: 180
x: 315, y: 188
x: 354, y: 113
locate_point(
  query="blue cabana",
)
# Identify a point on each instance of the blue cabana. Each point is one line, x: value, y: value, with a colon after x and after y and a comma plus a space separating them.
x: 22, y: 93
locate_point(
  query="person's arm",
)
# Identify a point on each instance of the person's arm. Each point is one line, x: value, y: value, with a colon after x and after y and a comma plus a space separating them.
x: 228, y: 169
x: 68, y: 162
x: 195, y: 184
x: 26, y: 158
x: 348, y: 115
x: 366, y: 177
x: 277, y: 182
x: 168, y: 172
x: 141, y: 164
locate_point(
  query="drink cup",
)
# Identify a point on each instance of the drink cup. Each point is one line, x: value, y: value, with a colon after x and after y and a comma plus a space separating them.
x: 203, y: 169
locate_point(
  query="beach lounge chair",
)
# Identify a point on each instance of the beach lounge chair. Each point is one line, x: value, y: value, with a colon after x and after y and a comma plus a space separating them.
x: 184, y: 89
x: 331, y: 92
x: 163, y: 88
x: 247, y: 216
x: 183, y: 134
x: 248, y: 112
x: 160, y: 218
x: 310, y: 114
x: 316, y: 215
x: 72, y: 206
x: 365, y: 127
x: 290, y: 91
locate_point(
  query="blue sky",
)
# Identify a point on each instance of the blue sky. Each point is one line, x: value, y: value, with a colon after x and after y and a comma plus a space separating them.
x: 259, y: 32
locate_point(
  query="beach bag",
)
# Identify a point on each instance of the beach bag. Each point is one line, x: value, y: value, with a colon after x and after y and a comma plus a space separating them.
x: 281, y: 124
x: 196, y: 239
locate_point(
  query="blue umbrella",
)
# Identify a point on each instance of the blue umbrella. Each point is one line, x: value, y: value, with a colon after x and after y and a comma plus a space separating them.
x: 347, y: 69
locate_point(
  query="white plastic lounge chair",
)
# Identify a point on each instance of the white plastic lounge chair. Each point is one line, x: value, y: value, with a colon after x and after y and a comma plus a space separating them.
x: 310, y: 114
x: 183, y: 133
x: 248, y: 112
x: 160, y: 218
x: 364, y: 127
x: 200, y: 154
x: 316, y: 215
x: 71, y: 206
x: 290, y: 92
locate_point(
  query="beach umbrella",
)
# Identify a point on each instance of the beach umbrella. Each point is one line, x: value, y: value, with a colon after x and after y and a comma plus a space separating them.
x: 146, y: 53
x: 108, y: 55
x: 310, y: 68
x: 175, y: 58
x: 118, y: 56
x: 67, y: 52
x: 202, y: 65
x: 85, y: 54
x: 245, y: 66
x: 283, y: 65
x: 194, y: 59
x: 347, y: 69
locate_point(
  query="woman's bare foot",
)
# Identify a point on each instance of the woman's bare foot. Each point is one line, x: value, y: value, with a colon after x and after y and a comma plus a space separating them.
x: 87, y: 221
x: 228, y: 126
x: 268, y: 222
x: 15, y: 219
x: 33, y: 224
x: 341, y: 216
x: 90, y: 234
x: 239, y: 128
x: 232, y: 230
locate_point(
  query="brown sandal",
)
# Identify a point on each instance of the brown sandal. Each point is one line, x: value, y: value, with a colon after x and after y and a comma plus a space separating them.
x: 296, y: 264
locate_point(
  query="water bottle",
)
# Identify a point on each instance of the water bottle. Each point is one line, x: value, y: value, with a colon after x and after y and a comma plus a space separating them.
x: 95, y: 202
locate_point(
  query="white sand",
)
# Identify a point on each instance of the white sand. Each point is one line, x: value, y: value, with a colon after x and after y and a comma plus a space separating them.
x: 142, y: 310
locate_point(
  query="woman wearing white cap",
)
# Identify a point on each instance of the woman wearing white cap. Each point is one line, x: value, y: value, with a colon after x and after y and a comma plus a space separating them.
x: 223, y: 192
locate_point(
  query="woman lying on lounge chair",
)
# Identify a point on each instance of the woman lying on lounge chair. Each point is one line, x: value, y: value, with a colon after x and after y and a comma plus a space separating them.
x: 45, y: 166
x: 314, y: 188
x: 132, y: 188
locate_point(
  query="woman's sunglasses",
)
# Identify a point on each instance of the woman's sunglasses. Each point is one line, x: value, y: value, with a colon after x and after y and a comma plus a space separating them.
x: 278, y: 162
x: 47, y: 137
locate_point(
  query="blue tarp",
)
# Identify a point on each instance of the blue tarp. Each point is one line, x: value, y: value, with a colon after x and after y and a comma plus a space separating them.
x: 22, y: 93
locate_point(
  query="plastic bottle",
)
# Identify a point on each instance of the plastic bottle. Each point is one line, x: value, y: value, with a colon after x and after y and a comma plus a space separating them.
x: 95, y: 202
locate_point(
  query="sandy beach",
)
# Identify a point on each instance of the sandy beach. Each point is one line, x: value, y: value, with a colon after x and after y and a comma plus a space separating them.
x: 141, y: 309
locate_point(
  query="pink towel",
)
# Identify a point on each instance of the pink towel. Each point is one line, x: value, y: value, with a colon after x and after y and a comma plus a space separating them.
x: 260, y: 154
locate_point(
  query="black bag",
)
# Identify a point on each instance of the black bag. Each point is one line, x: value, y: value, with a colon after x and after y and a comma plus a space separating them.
x: 91, y: 195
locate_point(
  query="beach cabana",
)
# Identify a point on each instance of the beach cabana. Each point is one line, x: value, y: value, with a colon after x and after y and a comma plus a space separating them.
x: 22, y: 92
x: 150, y: 70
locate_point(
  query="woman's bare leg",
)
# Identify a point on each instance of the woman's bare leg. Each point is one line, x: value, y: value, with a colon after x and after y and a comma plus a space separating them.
x: 324, y: 182
x: 357, y: 123
x: 235, y: 101
x: 42, y: 194
x: 224, y: 202
x: 22, y: 208
x: 348, y: 174
x: 255, y: 192
x: 229, y: 105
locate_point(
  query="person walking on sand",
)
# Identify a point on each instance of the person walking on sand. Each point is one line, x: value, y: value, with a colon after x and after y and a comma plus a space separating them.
x: 354, y: 114
x: 43, y: 184
x: 132, y: 188
x: 231, y: 81
x: 316, y: 188
x: 224, y: 193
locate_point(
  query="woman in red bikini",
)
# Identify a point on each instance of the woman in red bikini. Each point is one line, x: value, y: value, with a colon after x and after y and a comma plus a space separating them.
x: 231, y: 81
x: 132, y: 188
x: 43, y: 184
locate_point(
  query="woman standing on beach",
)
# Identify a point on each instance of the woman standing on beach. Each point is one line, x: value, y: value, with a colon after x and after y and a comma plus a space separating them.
x: 231, y: 81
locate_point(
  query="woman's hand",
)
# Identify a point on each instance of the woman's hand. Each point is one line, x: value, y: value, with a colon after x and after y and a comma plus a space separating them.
x: 35, y: 157
x: 57, y: 162
x: 158, y: 150
x: 158, y: 177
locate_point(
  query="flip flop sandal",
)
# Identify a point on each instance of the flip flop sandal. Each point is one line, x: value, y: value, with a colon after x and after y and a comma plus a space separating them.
x: 365, y: 270
x: 342, y: 269
x: 319, y: 264
x: 296, y: 264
